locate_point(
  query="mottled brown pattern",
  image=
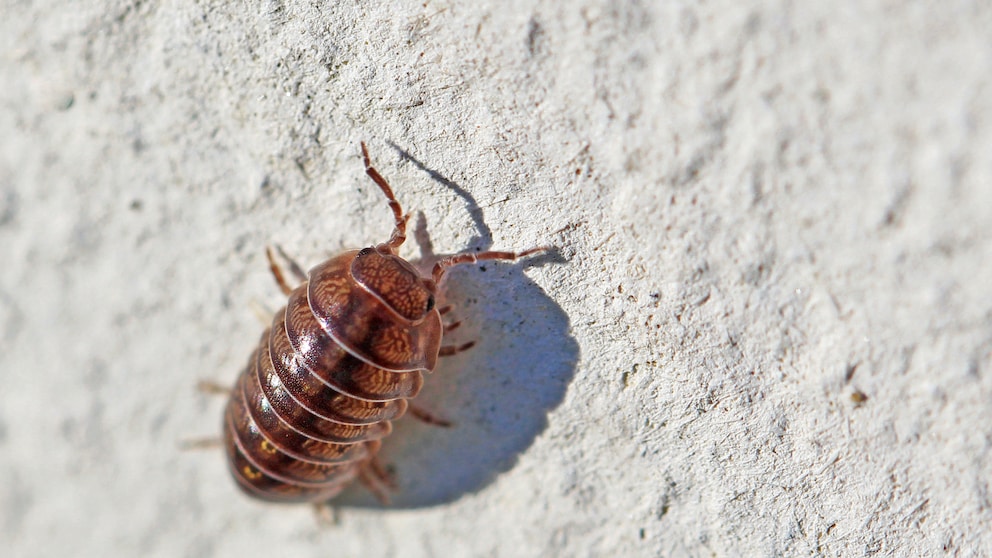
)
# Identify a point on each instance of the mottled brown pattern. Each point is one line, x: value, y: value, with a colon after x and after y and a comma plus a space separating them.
x: 311, y: 406
x: 366, y: 326
x: 336, y: 366
x: 297, y: 417
x: 401, y: 289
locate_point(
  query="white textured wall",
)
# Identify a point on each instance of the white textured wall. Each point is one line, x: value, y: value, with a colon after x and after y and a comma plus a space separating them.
x: 762, y: 209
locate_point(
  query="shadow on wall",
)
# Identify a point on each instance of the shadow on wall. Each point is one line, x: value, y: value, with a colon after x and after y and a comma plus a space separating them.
x: 498, y: 394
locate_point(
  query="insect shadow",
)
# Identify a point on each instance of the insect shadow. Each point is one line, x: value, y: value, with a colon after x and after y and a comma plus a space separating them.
x: 498, y: 394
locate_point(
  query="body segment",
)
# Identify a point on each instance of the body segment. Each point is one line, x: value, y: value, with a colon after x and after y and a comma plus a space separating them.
x: 337, y: 364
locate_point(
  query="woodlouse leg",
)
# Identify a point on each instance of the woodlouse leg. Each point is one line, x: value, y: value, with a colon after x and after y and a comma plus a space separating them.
x: 377, y: 480
x: 448, y: 328
x: 444, y: 309
x: 201, y: 444
x: 427, y: 417
x: 441, y: 267
x: 448, y: 350
x: 399, y: 231
x: 326, y: 514
x: 277, y: 272
x: 294, y: 267
x: 209, y: 388
x: 212, y: 388
x: 263, y: 314
x: 381, y: 473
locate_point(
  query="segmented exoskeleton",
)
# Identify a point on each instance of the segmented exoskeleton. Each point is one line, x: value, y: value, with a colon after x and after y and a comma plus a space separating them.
x: 338, y: 363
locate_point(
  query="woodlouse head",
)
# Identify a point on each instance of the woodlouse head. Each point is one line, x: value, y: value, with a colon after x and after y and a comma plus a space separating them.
x: 395, y: 282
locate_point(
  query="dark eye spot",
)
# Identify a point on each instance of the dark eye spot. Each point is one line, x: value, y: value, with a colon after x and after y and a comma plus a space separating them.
x: 366, y: 252
x: 430, y: 303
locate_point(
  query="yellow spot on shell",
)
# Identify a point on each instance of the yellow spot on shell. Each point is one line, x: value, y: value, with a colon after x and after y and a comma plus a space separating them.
x: 251, y: 473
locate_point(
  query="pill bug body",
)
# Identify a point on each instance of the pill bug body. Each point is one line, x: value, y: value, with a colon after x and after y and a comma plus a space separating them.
x: 337, y: 364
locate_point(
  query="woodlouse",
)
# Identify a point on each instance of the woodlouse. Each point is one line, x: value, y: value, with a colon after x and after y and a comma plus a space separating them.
x: 338, y: 363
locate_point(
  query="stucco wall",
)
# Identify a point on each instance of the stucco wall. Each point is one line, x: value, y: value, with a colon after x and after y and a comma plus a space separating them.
x: 767, y: 330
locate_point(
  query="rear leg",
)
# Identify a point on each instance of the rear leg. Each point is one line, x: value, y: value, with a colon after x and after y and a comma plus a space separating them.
x: 377, y: 480
x: 428, y: 417
x: 380, y: 481
x: 326, y: 514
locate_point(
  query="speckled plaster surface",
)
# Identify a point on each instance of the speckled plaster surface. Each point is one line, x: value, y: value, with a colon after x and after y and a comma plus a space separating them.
x: 768, y: 330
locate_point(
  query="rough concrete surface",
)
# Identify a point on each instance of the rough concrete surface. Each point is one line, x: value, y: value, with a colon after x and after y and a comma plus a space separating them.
x: 767, y: 329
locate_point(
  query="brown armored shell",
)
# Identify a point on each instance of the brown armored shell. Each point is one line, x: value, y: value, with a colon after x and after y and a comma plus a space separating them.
x: 337, y: 364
